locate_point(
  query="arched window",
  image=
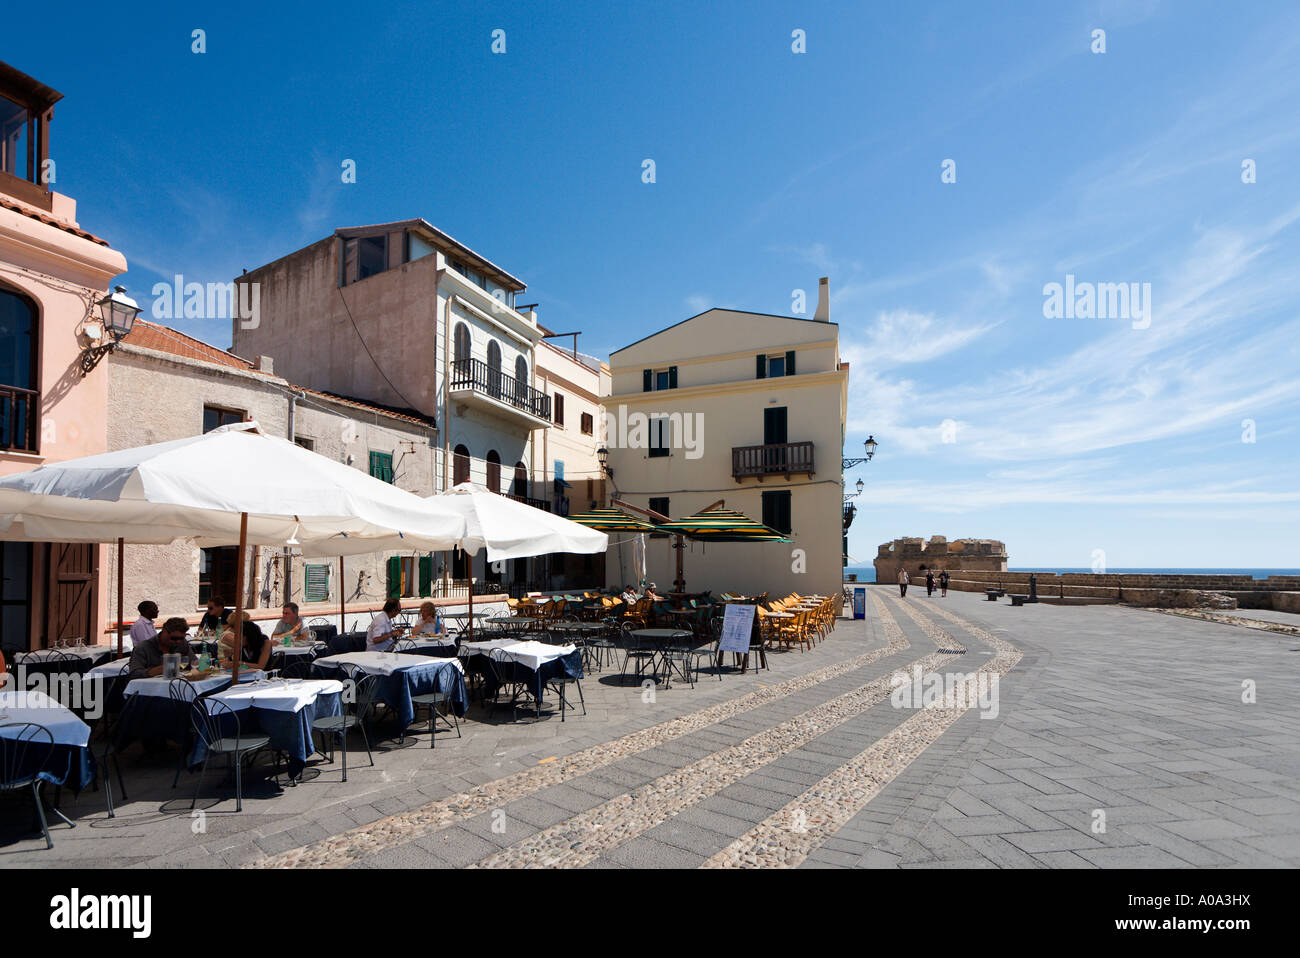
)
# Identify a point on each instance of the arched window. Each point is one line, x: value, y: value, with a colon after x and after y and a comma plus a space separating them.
x: 460, y: 466
x: 494, y: 369
x: 19, y: 400
x: 519, y: 485
x: 493, y: 471
x: 521, y: 381
x: 461, y: 354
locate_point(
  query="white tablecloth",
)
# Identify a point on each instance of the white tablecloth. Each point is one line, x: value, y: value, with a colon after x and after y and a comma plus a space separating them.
x: 385, y: 663
x: 39, y: 709
x: 106, y: 671
x: 530, y: 654
x: 85, y: 652
x: 430, y: 643
x: 291, y: 650
x: 282, y: 695
x: 161, y: 687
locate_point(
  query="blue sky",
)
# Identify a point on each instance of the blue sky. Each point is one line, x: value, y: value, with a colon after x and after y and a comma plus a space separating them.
x: 1064, y: 436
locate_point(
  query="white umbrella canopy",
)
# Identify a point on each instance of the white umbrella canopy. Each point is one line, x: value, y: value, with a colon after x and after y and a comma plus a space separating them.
x: 512, y: 530
x: 198, y: 488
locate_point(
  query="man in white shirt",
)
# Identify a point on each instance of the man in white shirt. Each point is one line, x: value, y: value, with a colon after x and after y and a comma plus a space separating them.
x: 142, y: 629
x: 382, y: 631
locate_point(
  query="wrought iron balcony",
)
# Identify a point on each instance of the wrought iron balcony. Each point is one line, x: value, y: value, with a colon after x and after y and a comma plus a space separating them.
x: 783, y: 458
x: 535, y: 503
x: 18, y: 416
x: 476, y: 377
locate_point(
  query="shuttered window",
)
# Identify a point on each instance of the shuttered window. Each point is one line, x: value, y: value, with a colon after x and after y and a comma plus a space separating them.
x: 316, y: 582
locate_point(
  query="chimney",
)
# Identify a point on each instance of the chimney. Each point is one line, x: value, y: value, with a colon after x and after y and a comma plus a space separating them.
x: 265, y: 364
x: 823, y: 314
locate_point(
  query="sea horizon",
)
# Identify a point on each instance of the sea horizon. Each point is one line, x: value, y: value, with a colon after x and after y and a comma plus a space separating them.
x: 868, y: 573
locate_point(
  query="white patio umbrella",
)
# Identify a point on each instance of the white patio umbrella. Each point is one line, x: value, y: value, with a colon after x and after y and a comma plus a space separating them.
x: 510, y: 529
x: 233, y: 485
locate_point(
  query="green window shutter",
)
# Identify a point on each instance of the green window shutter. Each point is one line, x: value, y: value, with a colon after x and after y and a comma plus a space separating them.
x: 761, y: 368
x: 316, y: 583
x: 394, y: 590
x: 672, y: 377
x: 647, y: 380
x: 789, y: 362
x: 381, y: 466
x: 426, y: 576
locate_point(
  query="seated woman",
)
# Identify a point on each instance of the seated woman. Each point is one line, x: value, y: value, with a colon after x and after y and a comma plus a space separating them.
x: 256, y: 650
x: 430, y: 626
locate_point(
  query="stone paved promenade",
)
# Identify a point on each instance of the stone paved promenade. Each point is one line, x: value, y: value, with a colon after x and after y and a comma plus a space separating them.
x: 1096, y: 716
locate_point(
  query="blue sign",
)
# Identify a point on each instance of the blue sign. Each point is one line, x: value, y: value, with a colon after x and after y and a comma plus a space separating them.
x: 860, y: 602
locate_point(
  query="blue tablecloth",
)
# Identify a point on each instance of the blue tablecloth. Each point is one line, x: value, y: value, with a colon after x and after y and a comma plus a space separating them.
x: 70, y: 765
x: 347, y: 642
x: 535, y: 679
x: 395, y: 690
x: 152, y: 718
x: 290, y: 732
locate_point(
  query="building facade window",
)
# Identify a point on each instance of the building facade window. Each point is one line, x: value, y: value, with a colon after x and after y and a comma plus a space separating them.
x: 654, y: 380
x: 19, y: 399
x: 557, y: 404
x: 306, y: 442
x: 381, y: 465
x: 771, y: 365
x: 588, y: 424
x: 776, y: 510
x: 462, y: 348
x: 460, y: 466
x: 659, y: 504
x: 493, y: 471
x: 660, y: 437
x: 494, y: 369
x: 519, y: 485
x: 217, y: 574
x: 316, y: 582
x: 217, y: 416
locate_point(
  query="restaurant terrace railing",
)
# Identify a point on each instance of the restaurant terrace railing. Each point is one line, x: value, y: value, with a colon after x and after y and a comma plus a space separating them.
x: 782, y: 458
x: 477, y: 375
x: 18, y: 411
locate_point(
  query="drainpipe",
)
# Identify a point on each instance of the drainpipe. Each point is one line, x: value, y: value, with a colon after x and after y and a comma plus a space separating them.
x: 285, y: 552
x: 445, y: 423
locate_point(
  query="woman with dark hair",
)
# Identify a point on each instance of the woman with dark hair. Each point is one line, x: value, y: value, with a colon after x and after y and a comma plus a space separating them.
x: 256, y: 651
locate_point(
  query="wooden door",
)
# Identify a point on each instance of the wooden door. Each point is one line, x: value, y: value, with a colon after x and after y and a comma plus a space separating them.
x: 73, y: 593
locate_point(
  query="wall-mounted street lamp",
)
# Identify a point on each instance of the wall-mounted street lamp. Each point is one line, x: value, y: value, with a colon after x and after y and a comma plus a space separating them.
x: 869, y: 445
x: 603, y: 455
x: 117, y: 313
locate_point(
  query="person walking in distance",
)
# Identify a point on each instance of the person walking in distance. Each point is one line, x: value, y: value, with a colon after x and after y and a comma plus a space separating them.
x: 902, y: 583
x: 929, y: 583
x: 943, y: 584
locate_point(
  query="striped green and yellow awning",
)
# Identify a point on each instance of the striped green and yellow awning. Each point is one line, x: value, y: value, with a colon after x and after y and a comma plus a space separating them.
x: 612, y: 520
x: 721, y: 525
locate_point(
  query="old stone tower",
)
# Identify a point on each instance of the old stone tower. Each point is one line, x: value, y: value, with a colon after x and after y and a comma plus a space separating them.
x: 918, y: 556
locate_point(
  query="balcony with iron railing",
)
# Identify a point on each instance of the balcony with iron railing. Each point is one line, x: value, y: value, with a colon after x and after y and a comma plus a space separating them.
x: 773, y: 459
x: 476, y: 381
x: 19, y: 408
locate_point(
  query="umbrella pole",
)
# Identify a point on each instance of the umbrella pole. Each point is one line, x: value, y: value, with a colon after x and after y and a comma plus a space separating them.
x: 469, y: 579
x: 121, y: 551
x: 238, y: 647
x: 343, y: 602
x: 680, y: 547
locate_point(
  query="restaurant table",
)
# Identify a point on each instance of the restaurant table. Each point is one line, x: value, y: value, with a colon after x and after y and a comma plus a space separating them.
x: 283, y: 709
x: 520, y: 623
x: 149, y: 713
x: 535, y: 663
x: 662, y: 638
x: 46, y: 663
x: 438, y: 648
x: 401, y: 676
x: 68, y: 761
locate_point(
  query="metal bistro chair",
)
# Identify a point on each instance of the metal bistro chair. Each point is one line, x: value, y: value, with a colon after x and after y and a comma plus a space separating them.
x: 682, y: 649
x: 178, y: 690
x: 506, y: 672
x: 208, y: 717
x: 23, y: 756
x: 643, y: 652
x: 299, y: 666
x: 402, y: 645
x: 364, y: 689
x: 432, y: 700
x: 601, y: 645
x: 559, y: 683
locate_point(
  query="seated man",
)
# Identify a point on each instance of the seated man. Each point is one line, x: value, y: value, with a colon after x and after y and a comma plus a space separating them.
x: 142, y: 629
x: 292, y: 625
x: 147, y: 656
x: 382, y: 630
x: 629, y: 595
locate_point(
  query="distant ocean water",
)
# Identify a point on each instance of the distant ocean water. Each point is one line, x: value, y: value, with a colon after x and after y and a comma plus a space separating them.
x: 868, y: 573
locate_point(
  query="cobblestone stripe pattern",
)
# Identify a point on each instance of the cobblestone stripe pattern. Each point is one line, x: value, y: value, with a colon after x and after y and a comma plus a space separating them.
x: 777, y: 842
x: 341, y: 850
x: 585, y: 837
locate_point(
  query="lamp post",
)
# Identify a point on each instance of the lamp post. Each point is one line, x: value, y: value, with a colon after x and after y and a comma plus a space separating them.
x: 117, y: 313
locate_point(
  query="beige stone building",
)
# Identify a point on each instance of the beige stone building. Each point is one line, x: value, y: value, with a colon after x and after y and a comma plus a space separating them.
x: 163, y: 385
x: 742, y: 407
